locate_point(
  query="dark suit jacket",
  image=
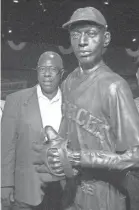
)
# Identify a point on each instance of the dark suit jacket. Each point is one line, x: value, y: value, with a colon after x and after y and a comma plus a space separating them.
x: 21, y: 126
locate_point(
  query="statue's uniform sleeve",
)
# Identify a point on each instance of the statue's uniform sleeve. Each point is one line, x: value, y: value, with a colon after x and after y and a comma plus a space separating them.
x: 123, y: 119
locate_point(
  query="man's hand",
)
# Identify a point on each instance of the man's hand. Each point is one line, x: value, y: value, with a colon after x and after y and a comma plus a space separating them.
x: 7, y: 195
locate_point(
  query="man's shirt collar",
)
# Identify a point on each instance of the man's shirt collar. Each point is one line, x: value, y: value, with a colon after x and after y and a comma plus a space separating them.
x: 56, y: 98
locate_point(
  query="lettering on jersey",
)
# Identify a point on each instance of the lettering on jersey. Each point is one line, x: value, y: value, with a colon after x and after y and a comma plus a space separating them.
x: 81, y: 116
x: 86, y: 120
x: 91, y: 124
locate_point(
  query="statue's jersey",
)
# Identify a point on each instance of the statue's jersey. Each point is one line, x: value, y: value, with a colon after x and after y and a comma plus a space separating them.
x: 99, y: 113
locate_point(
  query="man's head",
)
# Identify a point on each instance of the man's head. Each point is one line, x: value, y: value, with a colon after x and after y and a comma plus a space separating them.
x: 50, y: 70
x: 89, y: 35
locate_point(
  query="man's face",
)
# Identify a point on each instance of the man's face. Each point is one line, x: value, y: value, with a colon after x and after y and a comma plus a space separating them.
x: 87, y: 41
x: 49, y: 76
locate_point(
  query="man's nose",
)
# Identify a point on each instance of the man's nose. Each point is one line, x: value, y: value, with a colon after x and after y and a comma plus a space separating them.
x: 47, y: 73
x: 83, y: 40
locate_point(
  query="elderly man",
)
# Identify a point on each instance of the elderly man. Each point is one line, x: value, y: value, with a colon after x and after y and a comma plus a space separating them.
x: 25, y: 115
x: 100, y: 121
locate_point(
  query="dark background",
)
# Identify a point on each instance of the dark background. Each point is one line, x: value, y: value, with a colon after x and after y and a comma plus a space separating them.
x: 37, y: 24
x: 41, y: 20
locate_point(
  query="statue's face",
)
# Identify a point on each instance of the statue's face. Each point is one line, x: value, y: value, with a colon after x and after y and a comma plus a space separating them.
x: 88, y: 42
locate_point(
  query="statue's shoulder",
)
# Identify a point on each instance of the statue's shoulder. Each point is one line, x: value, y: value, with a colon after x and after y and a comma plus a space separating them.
x: 137, y: 103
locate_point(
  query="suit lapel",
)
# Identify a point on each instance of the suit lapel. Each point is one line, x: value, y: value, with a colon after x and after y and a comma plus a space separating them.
x: 33, y: 114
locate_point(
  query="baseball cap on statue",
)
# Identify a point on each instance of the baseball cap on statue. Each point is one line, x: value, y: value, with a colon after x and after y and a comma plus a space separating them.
x: 90, y: 14
x: 50, y: 58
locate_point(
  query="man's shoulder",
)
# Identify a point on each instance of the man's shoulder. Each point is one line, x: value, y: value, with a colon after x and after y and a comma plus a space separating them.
x: 24, y: 93
x: 15, y: 100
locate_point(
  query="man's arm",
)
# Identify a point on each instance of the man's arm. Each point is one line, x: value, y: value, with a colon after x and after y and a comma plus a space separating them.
x: 8, y: 141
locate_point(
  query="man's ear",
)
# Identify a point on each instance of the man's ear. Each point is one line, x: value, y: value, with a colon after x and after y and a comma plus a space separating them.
x: 107, y: 38
x: 137, y: 76
x: 62, y: 72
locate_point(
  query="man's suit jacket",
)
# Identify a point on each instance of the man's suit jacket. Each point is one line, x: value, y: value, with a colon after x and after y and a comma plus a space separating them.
x: 21, y: 127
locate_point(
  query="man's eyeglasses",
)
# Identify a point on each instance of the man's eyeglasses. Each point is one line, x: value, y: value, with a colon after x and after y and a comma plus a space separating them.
x: 52, y: 70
